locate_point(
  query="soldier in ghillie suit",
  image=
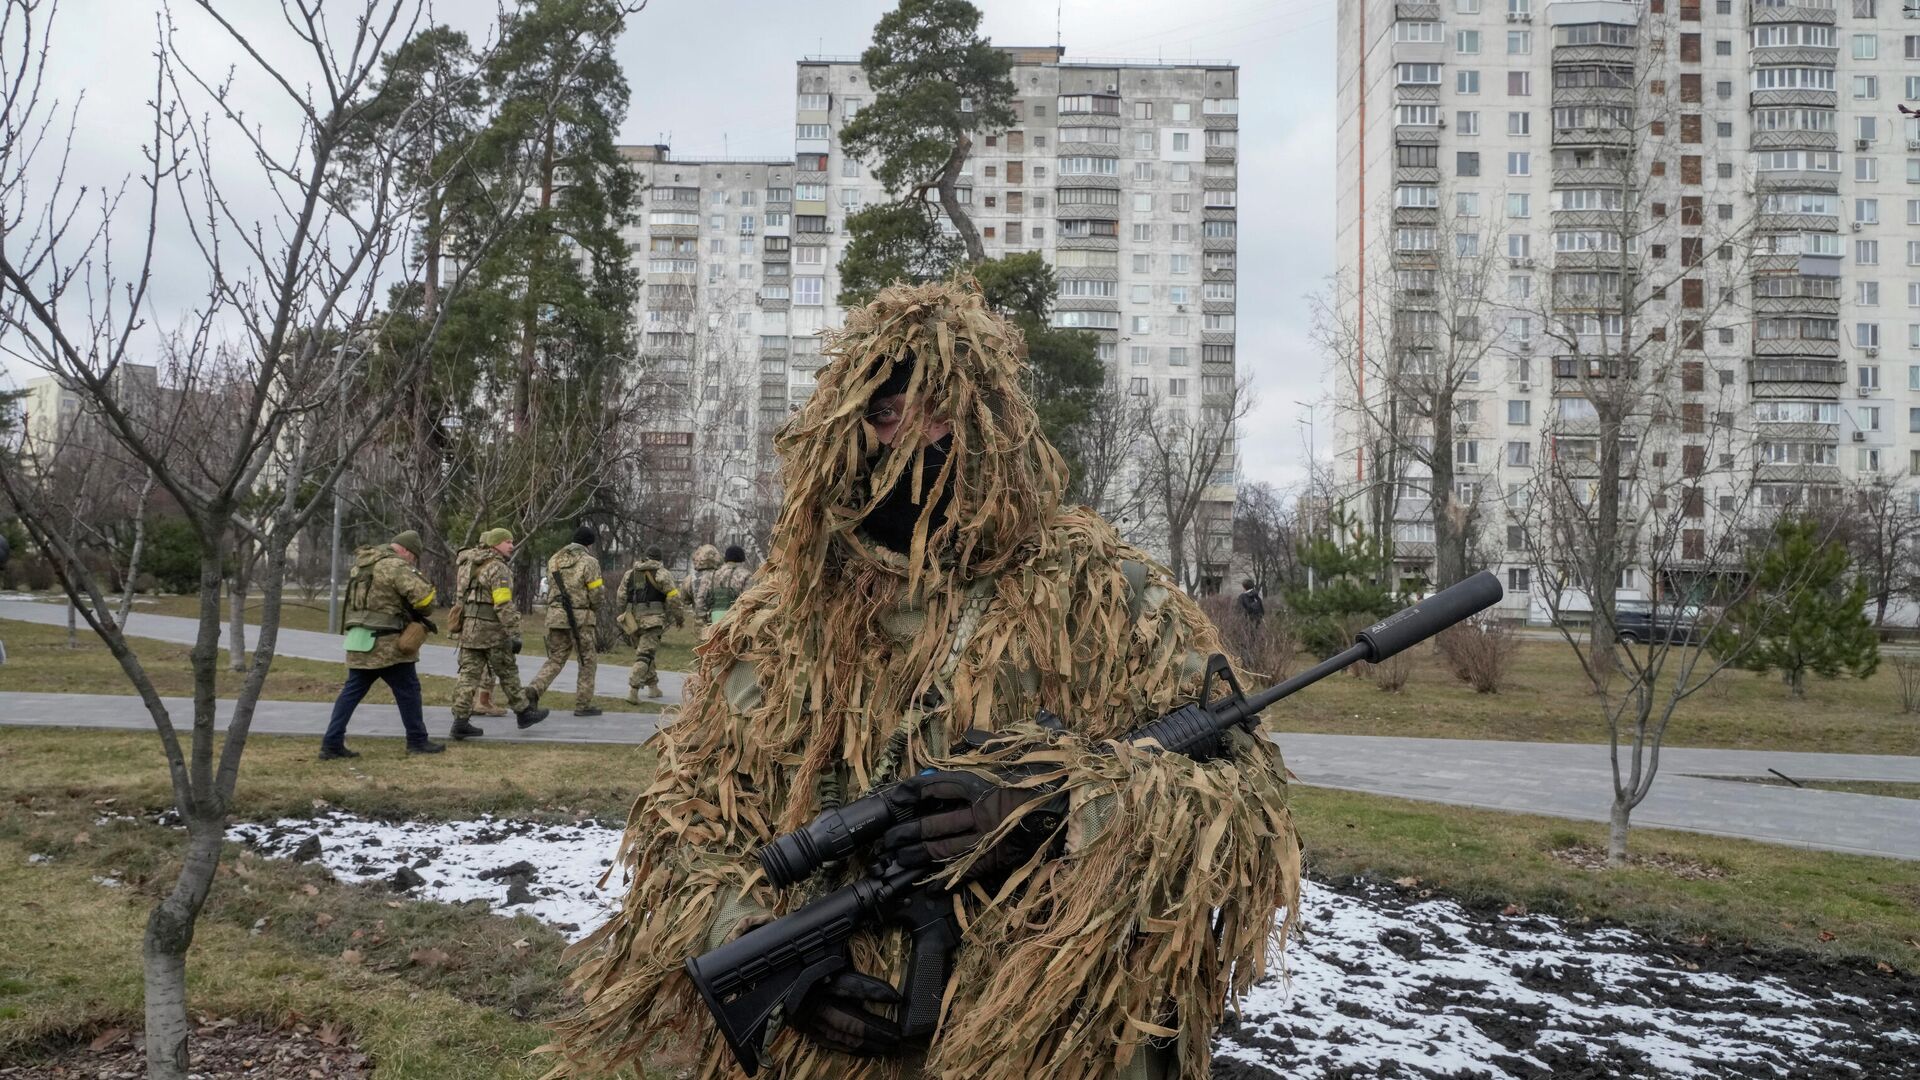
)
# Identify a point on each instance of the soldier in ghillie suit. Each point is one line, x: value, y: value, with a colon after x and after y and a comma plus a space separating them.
x: 574, y: 584
x: 387, y: 605
x: 925, y: 580
x: 720, y: 589
x: 648, y: 599
x: 706, y: 559
x: 488, y: 625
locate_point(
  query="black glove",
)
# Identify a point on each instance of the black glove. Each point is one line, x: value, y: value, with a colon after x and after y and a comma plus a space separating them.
x: 429, y: 624
x: 955, y: 811
x: 833, y: 1014
x: 516, y: 644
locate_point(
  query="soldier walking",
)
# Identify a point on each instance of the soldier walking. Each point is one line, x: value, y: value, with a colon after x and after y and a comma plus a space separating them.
x: 720, y: 589
x: 649, y: 598
x: 573, y: 575
x: 488, y: 625
x: 387, y: 605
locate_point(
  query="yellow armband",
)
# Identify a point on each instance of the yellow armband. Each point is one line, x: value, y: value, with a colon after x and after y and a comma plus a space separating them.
x: 502, y: 596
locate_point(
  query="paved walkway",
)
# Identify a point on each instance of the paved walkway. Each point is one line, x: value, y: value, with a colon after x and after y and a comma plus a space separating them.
x: 610, y: 678
x: 1558, y: 779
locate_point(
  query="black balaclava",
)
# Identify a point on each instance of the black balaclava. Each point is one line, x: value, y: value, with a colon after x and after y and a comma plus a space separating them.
x: 891, y: 523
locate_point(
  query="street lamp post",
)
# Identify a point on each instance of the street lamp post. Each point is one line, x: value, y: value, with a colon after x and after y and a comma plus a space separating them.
x: 1309, y: 423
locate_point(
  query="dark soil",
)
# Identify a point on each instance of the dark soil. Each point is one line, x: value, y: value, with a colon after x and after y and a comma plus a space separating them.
x: 215, y: 1053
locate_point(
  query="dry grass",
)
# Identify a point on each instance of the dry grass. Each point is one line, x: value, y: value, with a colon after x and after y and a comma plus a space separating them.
x: 1544, y: 699
x: 39, y: 662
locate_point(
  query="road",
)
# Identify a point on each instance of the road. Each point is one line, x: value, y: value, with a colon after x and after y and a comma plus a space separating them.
x: 1558, y: 779
x: 610, y: 679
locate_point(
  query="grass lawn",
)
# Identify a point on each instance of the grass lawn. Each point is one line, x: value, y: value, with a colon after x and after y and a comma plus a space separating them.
x: 296, y: 613
x: 439, y: 991
x: 39, y: 661
x: 1546, y: 701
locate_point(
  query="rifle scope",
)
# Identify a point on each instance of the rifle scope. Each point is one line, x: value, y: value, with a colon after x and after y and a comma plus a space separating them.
x: 835, y: 834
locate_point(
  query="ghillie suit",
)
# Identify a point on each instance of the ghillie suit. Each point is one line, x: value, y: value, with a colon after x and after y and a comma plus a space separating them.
x: 847, y: 664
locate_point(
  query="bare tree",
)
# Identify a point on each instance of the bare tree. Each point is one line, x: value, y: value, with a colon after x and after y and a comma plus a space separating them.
x: 1107, y: 451
x: 1186, y: 462
x: 1436, y: 308
x: 291, y: 258
x: 1881, y: 525
x: 1267, y: 535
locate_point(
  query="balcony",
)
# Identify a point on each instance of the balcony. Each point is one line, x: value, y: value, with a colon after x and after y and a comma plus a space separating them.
x: 1593, y: 136
x: 1813, y: 99
x: 1810, y: 11
x: 1796, y: 140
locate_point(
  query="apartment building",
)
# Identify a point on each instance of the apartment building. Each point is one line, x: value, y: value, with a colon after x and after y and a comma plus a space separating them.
x: 1778, y: 184
x: 711, y: 246
x: 1123, y: 174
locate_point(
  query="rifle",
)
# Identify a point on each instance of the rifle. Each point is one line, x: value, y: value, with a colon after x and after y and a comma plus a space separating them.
x: 745, y: 981
x: 566, y: 605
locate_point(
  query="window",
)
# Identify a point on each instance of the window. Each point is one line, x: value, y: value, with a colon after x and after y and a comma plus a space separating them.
x: 1140, y: 294
x: 1180, y: 264
x: 1466, y: 42
x: 810, y: 131
x: 1519, y: 163
x: 1519, y: 83
x: 1866, y: 211
x: 1466, y: 245
x: 1866, y: 46
x: 1519, y: 579
x: 1519, y: 205
x: 1519, y: 454
x: 1466, y: 452
x: 1520, y: 412
x: 1466, y: 82
x: 1869, y: 376
x: 1866, y: 335
x: 1866, y: 87
x: 1143, y: 140
x: 1866, y: 252
x: 1867, y: 293
x: 1143, y: 232
x: 1143, y: 263
x: 1866, y: 169
x: 1466, y: 204
x: 1519, y: 123
x: 1177, y: 388
x: 809, y: 291
x: 812, y: 102
x: 1143, y: 110
x: 1519, y: 42
x: 1142, y: 324
x: 1182, y: 112
x: 1466, y: 163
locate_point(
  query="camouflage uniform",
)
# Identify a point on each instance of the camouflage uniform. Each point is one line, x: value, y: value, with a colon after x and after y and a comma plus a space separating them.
x: 719, y: 590
x: 575, y: 570
x: 384, y: 594
x: 489, y: 625
x: 649, y: 596
x: 706, y: 559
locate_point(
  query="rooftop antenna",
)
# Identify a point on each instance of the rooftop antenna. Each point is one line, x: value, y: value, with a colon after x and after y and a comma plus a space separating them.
x: 1059, y: 45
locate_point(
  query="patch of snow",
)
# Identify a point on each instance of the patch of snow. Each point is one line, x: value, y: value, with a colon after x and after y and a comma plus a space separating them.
x: 1376, y: 982
x: 38, y: 859
x: 451, y: 857
x: 106, y: 882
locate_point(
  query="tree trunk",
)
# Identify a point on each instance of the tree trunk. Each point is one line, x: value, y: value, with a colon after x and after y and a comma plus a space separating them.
x: 523, y: 389
x: 1797, y: 679
x: 164, y: 951
x: 1617, y: 833
x: 1449, y: 556
x: 1602, y: 581
x: 950, y: 199
x: 237, y: 623
x: 73, y: 625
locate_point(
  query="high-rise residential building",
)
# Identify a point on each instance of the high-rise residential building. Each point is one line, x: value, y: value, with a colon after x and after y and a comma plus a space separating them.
x: 1737, y: 171
x: 1124, y: 176
x: 710, y: 243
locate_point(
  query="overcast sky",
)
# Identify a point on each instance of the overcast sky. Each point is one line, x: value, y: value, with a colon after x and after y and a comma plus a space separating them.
x: 714, y: 77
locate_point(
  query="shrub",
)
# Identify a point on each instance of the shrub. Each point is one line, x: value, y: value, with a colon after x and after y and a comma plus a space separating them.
x: 1906, y: 668
x: 1392, y: 676
x: 1479, y: 652
x: 1265, y: 651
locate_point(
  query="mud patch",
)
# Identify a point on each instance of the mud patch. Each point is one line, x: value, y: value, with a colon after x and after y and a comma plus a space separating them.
x: 220, y: 1051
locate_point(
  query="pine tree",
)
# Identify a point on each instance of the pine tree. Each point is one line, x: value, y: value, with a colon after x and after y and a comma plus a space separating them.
x: 1351, y: 569
x: 1801, y: 615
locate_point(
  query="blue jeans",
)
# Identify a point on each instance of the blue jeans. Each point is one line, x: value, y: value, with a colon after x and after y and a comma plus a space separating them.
x: 402, y: 679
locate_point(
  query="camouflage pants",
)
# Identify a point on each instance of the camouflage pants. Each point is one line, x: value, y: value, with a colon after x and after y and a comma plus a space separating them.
x: 478, y: 669
x: 646, y: 643
x: 559, y: 648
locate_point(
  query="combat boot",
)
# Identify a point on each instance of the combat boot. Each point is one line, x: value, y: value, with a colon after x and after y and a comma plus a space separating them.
x: 463, y: 729
x: 588, y: 711
x: 653, y: 691
x: 529, y: 716
x: 633, y: 695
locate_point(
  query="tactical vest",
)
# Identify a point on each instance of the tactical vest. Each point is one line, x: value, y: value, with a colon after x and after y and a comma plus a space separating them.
x: 721, y: 596
x: 644, y: 596
x: 476, y: 598
x: 379, y: 610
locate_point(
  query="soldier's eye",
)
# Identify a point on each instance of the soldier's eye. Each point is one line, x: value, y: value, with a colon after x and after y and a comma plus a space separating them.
x: 883, y: 416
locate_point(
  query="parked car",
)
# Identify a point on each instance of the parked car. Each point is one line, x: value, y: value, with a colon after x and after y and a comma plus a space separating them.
x: 1635, y: 622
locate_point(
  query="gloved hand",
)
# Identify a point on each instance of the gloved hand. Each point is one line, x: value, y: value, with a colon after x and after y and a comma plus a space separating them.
x: 834, y: 1015
x: 517, y: 643
x: 955, y: 811
x: 432, y: 628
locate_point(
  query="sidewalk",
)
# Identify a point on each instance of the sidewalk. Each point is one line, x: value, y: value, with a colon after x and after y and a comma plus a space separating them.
x: 609, y: 680
x: 1557, y: 779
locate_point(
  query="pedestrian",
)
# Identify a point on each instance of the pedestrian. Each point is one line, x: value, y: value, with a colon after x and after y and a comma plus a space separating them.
x: 706, y: 559
x: 720, y: 589
x: 574, y: 584
x: 927, y: 579
x: 388, y: 602
x: 649, y: 598
x: 1252, y: 608
x: 488, y: 625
